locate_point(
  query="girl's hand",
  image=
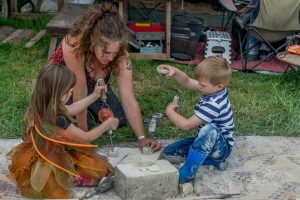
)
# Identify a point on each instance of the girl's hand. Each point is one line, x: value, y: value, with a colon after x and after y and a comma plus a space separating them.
x: 112, y: 122
x: 100, y: 89
x: 166, y: 70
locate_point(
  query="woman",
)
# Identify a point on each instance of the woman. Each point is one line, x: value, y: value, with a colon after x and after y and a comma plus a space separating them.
x: 94, y: 49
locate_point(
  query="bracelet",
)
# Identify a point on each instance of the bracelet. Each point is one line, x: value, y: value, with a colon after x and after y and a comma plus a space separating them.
x: 141, y: 137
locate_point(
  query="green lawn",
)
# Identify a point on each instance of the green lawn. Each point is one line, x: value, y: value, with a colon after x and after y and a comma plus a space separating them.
x: 262, y: 104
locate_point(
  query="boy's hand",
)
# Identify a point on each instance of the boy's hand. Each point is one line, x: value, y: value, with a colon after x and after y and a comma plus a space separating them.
x: 172, y: 107
x: 166, y: 70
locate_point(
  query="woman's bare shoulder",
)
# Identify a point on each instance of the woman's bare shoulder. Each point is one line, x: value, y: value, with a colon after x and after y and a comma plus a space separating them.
x: 71, y: 60
x: 68, y: 43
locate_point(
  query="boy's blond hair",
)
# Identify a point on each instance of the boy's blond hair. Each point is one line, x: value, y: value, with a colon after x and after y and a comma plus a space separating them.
x: 215, y: 69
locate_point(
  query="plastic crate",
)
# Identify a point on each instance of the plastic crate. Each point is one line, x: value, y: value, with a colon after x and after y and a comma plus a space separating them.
x: 151, y: 50
x: 153, y: 27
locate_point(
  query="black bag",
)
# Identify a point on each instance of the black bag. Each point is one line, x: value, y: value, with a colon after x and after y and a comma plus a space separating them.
x: 186, y: 31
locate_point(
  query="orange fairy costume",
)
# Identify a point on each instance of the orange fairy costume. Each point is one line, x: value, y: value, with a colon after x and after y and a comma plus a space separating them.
x: 50, y: 161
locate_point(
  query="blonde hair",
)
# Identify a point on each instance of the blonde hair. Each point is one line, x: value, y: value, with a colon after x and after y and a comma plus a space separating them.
x: 99, y: 26
x: 215, y: 69
x: 53, y: 81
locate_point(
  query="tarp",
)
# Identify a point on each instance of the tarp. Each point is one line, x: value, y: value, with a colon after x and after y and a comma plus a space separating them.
x: 278, y: 17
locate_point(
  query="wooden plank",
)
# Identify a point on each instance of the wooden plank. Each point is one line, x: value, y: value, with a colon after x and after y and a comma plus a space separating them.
x: 38, y: 6
x: 168, y: 28
x: 35, y: 39
x: 29, y: 16
x: 156, y: 56
x: 12, y: 36
x: 61, y: 23
x: 125, y: 11
x: 121, y: 9
x: 13, y: 6
x: 60, y: 4
x: 52, y: 46
x: 4, y: 9
x: 18, y: 35
x: 5, y: 31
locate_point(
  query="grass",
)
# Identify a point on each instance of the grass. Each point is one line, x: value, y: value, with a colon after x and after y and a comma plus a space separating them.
x: 37, y: 23
x: 262, y: 104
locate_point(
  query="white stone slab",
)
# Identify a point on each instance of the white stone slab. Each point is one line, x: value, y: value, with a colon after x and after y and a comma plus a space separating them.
x: 146, y: 180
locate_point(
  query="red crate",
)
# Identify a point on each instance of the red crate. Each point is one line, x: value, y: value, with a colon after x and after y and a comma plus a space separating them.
x: 153, y: 27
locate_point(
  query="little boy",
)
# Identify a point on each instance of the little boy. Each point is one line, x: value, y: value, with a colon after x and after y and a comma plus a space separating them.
x: 212, y: 117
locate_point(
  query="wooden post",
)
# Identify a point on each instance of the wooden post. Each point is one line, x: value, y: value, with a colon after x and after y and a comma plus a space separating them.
x: 168, y: 28
x: 123, y: 10
x: 35, y: 39
x: 60, y: 4
x: 38, y: 6
x: 52, y: 46
x: 4, y: 9
x: 13, y: 6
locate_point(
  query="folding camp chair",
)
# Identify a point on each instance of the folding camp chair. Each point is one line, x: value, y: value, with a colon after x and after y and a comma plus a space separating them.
x: 141, y: 8
x: 230, y: 9
x: 275, y: 21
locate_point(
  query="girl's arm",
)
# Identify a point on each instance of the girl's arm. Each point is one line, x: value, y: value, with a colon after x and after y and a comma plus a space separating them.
x: 180, y: 121
x: 89, y: 136
x: 180, y: 77
x: 80, y: 89
x: 82, y: 104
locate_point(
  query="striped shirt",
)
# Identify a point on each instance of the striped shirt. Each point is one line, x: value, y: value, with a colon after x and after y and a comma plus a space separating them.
x: 216, y: 109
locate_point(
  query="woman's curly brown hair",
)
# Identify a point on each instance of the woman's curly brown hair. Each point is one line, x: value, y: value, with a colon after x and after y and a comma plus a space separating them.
x: 99, y: 26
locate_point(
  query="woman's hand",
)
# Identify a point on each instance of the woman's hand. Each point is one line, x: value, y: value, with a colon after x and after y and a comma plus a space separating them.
x: 154, y: 145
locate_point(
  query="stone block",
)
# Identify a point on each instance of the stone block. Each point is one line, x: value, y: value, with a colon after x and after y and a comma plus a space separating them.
x: 146, y: 180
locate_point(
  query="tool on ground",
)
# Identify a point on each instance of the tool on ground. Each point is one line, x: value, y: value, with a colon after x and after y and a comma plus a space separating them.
x: 151, y: 129
x: 105, y: 112
x: 153, y: 122
x: 215, y: 196
x: 105, y: 184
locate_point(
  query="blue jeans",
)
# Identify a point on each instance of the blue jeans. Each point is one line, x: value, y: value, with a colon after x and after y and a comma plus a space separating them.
x: 209, y: 140
x: 253, y: 45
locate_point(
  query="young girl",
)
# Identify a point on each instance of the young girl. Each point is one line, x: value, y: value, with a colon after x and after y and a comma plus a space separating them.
x: 55, y: 154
